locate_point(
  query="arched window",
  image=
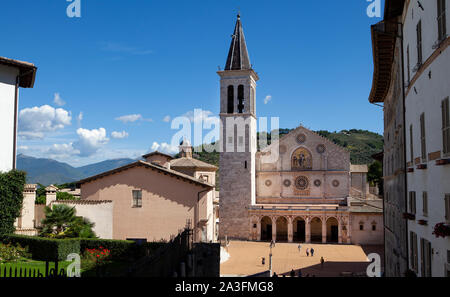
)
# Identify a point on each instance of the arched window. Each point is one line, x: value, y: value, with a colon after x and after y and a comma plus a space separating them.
x: 230, y: 108
x: 241, y: 98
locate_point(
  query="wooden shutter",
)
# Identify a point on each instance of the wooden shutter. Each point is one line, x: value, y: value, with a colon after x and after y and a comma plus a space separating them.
x: 411, y: 144
x: 447, y: 207
x: 419, y: 42
x: 441, y: 19
x: 425, y: 203
x: 445, y: 126
x: 423, y: 144
x: 408, y: 65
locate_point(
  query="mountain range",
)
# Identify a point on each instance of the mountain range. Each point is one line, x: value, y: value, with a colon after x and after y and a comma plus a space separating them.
x: 48, y: 171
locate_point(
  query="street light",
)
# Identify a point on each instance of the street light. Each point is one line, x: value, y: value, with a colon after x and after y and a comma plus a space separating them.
x: 272, y: 245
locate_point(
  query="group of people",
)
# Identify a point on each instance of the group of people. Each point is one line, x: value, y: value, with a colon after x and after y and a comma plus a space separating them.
x: 308, y: 251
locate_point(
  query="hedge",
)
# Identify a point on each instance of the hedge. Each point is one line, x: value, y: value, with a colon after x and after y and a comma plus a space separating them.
x: 120, y: 249
x: 45, y: 249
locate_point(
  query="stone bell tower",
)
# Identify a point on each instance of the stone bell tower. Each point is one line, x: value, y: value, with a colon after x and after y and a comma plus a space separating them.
x: 238, y: 139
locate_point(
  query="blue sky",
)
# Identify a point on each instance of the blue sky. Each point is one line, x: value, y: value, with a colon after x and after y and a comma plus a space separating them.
x: 125, y: 66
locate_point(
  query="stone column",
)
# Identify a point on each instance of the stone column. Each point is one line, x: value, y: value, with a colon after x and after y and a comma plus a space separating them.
x: 274, y: 229
x: 324, y: 230
x: 349, y: 228
x: 258, y: 231
x: 290, y: 230
x: 339, y: 230
x: 308, y: 230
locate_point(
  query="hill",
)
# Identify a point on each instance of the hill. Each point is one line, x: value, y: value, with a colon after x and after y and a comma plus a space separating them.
x: 48, y: 171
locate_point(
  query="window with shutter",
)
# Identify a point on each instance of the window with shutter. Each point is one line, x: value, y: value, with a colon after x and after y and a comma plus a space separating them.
x: 423, y: 145
x: 412, y: 202
x: 411, y: 143
x: 408, y: 65
x: 447, y: 207
x: 419, y: 43
x: 425, y: 203
x: 441, y: 20
x: 445, y: 126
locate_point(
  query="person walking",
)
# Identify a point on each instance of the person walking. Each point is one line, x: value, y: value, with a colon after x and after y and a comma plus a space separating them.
x: 312, y: 252
x: 321, y: 262
x: 299, y: 247
x: 307, y: 252
x: 292, y: 273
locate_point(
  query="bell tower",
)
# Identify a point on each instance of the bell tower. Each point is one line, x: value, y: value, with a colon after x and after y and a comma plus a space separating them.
x: 238, y: 139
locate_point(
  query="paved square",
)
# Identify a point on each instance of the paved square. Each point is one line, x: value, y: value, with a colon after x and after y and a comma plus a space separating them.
x: 245, y: 259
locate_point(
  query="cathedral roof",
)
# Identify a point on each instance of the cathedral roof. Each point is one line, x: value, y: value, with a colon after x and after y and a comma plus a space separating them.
x: 238, y: 56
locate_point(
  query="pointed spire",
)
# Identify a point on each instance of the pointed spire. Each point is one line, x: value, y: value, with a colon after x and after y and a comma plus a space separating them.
x: 238, y: 56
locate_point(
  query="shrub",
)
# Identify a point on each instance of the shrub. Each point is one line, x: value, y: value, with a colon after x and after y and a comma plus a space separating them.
x: 119, y: 249
x: 11, y: 198
x: 9, y: 252
x: 45, y: 249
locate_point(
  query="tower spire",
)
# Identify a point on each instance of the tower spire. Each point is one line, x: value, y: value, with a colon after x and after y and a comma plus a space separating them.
x: 238, y: 56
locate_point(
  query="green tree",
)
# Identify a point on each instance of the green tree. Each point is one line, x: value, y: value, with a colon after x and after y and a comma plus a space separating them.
x: 61, y: 222
x: 64, y: 196
x: 11, y: 198
x: 375, y: 175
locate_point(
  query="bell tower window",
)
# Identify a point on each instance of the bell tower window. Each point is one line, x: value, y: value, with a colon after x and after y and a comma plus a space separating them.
x: 230, y: 108
x: 241, y: 98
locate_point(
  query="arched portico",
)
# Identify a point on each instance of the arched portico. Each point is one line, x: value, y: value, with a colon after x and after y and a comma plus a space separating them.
x: 316, y: 230
x: 299, y: 229
x: 332, y: 230
x: 266, y: 229
x: 282, y: 229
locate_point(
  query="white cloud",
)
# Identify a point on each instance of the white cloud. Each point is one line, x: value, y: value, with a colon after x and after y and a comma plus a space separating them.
x: 199, y: 116
x: 119, y: 135
x: 267, y: 99
x: 164, y: 148
x: 36, y: 121
x: 58, y: 100
x: 131, y: 118
x: 167, y: 119
x: 119, y: 48
x: 62, y: 150
x: 90, y: 141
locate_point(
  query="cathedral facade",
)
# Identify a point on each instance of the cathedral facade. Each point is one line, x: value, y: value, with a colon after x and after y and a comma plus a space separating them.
x: 301, y: 188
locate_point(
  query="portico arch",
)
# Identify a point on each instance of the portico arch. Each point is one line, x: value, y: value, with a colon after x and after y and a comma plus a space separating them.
x: 266, y: 229
x: 332, y: 230
x: 316, y: 230
x: 282, y: 229
x: 299, y: 229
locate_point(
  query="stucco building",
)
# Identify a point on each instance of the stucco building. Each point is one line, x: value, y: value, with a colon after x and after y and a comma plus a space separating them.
x: 301, y: 188
x: 13, y: 75
x: 387, y: 89
x: 412, y: 63
x: 152, y: 199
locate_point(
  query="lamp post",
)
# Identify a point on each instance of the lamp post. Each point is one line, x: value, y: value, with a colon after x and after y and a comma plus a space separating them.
x: 272, y: 245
